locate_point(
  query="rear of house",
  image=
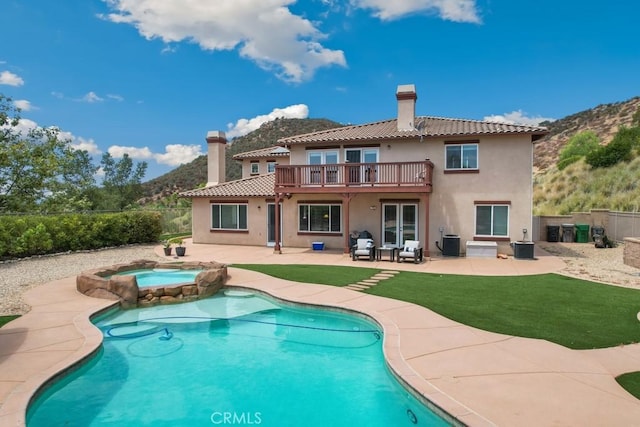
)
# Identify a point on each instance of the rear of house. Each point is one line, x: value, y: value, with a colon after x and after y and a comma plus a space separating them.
x: 408, y: 178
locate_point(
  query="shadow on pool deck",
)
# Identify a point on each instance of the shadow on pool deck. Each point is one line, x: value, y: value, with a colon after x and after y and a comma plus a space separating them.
x: 481, y: 378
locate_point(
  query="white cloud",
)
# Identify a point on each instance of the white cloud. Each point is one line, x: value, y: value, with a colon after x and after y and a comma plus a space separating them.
x: 91, y: 97
x: 23, y: 104
x: 450, y: 10
x: 518, y: 117
x: 265, y: 32
x: 77, y: 143
x: 135, y: 153
x: 244, y: 126
x: 178, y: 154
x: 88, y: 145
x: 8, y: 78
x: 115, y: 97
x: 174, y: 155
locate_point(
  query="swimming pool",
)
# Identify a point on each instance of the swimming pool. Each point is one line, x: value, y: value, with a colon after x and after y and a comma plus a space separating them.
x: 239, y: 359
x: 161, y: 276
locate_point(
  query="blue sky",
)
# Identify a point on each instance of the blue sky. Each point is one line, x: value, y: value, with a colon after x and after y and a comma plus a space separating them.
x: 151, y: 77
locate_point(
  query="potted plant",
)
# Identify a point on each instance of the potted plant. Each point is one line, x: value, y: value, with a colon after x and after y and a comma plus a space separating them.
x: 166, y: 244
x: 180, y: 250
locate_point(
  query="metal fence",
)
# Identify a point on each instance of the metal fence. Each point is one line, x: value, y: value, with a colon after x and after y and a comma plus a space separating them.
x: 175, y: 220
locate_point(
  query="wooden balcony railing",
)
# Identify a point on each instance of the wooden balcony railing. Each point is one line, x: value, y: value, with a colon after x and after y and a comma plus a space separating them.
x: 401, y: 176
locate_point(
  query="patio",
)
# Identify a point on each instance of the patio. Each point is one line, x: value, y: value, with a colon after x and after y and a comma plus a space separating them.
x: 482, y: 378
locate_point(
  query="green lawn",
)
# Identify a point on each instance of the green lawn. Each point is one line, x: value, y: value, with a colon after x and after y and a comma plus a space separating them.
x: 574, y: 313
x: 320, y: 274
x: 630, y: 382
x: 6, y: 319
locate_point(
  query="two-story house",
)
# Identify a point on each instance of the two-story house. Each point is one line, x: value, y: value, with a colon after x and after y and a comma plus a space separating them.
x: 408, y: 178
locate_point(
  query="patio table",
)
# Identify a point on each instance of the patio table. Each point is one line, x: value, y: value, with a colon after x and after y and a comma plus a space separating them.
x: 389, y: 249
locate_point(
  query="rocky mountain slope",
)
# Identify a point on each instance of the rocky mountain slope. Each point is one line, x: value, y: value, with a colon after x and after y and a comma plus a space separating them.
x: 604, y: 120
x: 194, y: 174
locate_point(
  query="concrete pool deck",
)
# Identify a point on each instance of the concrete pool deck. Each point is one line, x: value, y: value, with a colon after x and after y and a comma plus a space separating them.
x: 482, y: 378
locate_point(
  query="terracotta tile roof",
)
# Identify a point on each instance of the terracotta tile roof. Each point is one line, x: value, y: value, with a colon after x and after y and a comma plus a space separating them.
x: 255, y: 186
x: 275, y: 151
x: 434, y: 127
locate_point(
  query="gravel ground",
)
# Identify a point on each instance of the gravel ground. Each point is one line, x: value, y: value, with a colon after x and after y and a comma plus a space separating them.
x: 583, y: 261
x: 18, y: 276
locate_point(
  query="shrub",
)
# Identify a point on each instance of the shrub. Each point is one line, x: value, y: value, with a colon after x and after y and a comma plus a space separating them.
x: 616, y: 151
x: 619, y: 149
x: 39, y: 234
x: 577, y: 147
x: 34, y: 241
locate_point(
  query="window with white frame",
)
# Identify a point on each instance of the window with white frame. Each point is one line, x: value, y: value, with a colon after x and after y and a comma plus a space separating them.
x: 492, y: 220
x: 461, y: 156
x: 320, y: 218
x: 229, y: 216
x: 255, y: 168
x: 271, y: 167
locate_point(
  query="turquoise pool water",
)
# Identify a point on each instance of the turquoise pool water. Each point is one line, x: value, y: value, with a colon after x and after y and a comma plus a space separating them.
x: 232, y: 360
x: 162, y: 276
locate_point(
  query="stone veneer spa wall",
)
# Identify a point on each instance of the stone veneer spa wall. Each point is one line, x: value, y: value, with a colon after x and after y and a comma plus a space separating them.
x: 107, y: 284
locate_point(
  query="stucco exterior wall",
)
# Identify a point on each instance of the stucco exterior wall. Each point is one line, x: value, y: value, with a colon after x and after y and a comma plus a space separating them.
x: 256, y: 220
x: 505, y: 174
x: 262, y: 165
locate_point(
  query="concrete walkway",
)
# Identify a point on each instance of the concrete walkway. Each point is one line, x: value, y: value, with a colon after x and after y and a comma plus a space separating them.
x: 482, y: 378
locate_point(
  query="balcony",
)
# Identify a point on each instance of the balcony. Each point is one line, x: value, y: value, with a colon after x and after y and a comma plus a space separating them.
x: 401, y: 177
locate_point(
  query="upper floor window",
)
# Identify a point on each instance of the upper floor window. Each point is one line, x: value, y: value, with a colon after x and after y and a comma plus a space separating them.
x: 271, y: 167
x: 255, y: 168
x: 492, y: 220
x: 461, y: 156
x: 229, y: 216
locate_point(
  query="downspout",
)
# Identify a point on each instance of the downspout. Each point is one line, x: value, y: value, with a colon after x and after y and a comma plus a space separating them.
x: 426, y: 197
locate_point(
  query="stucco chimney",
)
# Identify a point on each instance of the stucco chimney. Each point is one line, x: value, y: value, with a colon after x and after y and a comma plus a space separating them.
x: 406, y: 96
x: 216, y: 165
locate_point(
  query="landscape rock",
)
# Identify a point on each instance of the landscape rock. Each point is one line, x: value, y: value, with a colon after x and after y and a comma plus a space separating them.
x: 105, y: 283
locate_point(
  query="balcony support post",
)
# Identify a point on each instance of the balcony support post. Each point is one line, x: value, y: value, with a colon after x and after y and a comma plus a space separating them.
x: 276, y: 247
x: 346, y: 197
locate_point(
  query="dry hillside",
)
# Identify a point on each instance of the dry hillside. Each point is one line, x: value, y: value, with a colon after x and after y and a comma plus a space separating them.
x: 604, y: 120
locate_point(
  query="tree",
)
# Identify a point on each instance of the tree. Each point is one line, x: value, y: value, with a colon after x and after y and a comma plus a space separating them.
x: 122, y: 182
x: 618, y: 150
x: 578, y: 146
x: 36, y: 164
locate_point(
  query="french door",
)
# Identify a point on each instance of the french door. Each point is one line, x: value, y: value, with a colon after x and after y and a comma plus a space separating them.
x: 366, y: 158
x: 399, y: 223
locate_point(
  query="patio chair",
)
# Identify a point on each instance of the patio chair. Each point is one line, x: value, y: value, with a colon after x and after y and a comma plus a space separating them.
x: 411, y: 249
x: 363, y: 248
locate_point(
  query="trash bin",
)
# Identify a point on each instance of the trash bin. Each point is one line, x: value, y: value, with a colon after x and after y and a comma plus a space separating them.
x: 553, y: 233
x: 582, y: 233
x: 567, y: 233
x: 597, y: 230
x: 523, y: 250
x: 451, y: 245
